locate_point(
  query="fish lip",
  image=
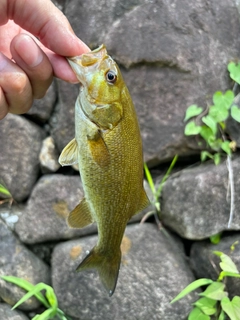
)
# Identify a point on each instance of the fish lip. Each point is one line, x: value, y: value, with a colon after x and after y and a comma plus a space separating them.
x: 87, y: 62
x: 77, y: 68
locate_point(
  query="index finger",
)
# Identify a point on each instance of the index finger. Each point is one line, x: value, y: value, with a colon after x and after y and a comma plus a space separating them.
x: 44, y: 20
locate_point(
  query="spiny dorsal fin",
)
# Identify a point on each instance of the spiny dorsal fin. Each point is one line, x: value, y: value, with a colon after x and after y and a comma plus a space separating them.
x: 99, y: 150
x: 81, y: 216
x: 69, y: 155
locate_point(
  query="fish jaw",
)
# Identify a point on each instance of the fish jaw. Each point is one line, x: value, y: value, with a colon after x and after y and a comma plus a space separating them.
x: 87, y: 63
x: 91, y: 69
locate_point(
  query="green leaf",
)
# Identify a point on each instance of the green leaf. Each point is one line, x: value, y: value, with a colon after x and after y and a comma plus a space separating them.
x: 224, y: 274
x: 206, y: 305
x: 46, y: 315
x: 215, y: 291
x: 215, y: 144
x: 226, y: 147
x: 211, y: 123
x: 192, y: 129
x: 215, y: 239
x: 28, y: 287
x: 192, y: 111
x: 207, y: 134
x: 52, y: 299
x: 217, y: 158
x: 226, y: 263
x: 235, y: 113
x: 4, y: 191
x: 218, y: 113
x: 223, y: 100
x: 149, y: 179
x: 205, y: 155
x: 234, y: 70
x: 221, y: 316
x: 191, y: 287
x: 231, y: 308
x: 196, y: 314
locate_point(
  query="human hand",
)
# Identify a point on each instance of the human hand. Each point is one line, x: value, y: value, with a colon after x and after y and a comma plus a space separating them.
x: 35, y: 62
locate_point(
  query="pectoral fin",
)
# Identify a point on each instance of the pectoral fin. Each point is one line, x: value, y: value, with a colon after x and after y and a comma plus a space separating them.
x: 81, y: 216
x: 99, y: 150
x: 143, y: 203
x: 69, y: 155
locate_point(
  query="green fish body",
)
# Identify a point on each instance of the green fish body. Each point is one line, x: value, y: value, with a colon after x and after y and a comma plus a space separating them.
x: 108, y: 149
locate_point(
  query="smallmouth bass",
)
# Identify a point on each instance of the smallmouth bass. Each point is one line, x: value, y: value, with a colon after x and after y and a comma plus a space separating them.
x: 108, y: 149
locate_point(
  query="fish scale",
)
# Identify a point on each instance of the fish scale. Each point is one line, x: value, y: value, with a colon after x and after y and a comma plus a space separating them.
x: 108, y: 149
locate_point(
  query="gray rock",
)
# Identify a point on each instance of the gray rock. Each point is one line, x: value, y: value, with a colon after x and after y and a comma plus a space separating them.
x: 7, y: 314
x: 195, y: 203
x: 20, y: 146
x: 16, y: 260
x: 48, y: 156
x: 41, y: 109
x: 62, y: 120
x: 205, y: 264
x: 10, y: 214
x: 44, y: 219
x: 177, y: 54
x: 146, y: 285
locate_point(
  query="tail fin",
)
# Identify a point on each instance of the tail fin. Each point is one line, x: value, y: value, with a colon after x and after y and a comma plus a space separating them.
x: 106, y: 265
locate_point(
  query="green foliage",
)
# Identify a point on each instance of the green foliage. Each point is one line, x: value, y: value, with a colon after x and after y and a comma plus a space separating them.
x: 214, y: 302
x: 5, y: 195
x: 215, y: 239
x: 49, y: 300
x: 4, y: 191
x: 157, y: 192
x: 210, y: 123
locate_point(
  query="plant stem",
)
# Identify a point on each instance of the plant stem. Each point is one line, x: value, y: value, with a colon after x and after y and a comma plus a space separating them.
x: 232, y: 192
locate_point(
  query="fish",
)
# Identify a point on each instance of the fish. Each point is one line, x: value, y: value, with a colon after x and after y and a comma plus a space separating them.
x: 108, y: 150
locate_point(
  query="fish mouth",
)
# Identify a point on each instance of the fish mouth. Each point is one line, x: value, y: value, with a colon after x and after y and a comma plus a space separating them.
x: 87, y: 62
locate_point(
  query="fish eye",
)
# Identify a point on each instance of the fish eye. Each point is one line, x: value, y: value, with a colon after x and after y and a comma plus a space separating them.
x: 111, y: 77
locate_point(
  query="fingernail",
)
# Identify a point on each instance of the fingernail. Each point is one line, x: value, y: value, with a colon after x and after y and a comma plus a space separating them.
x: 28, y: 50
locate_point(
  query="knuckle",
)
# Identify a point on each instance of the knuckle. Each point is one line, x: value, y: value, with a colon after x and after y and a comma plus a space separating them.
x: 19, y: 82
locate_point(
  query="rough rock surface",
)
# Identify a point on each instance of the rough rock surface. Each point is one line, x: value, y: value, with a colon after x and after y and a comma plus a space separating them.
x: 195, y: 203
x: 44, y: 219
x: 62, y: 121
x: 21, y: 141
x: 48, y: 156
x: 147, y: 279
x: 7, y: 314
x: 16, y: 260
x: 177, y: 54
x: 205, y: 264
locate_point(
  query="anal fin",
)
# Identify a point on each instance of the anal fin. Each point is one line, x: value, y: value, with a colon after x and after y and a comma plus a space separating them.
x: 81, y: 216
x: 69, y: 155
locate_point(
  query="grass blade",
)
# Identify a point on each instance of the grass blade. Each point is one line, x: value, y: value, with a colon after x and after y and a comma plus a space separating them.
x: 28, y: 287
x: 191, y: 287
x: 167, y: 174
x: 4, y: 191
x: 149, y: 179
